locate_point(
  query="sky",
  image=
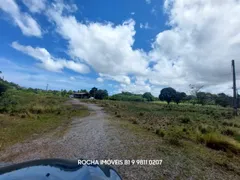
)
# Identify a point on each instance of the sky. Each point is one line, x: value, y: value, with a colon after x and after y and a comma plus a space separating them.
x: 120, y: 45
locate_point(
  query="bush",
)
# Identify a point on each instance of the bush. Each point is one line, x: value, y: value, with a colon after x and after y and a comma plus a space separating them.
x: 184, y: 119
x: 174, y: 140
x: 204, y: 129
x: 219, y: 142
x: 228, y: 132
x: 225, y: 123
x: 160, y: 133
x: 135, y: 121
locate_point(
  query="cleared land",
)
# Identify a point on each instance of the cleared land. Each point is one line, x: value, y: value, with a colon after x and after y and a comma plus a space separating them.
x: 200, y: 137
x: 194, y: 142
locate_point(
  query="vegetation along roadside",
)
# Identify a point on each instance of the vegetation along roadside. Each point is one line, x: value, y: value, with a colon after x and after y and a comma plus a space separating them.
x: 28, y: 113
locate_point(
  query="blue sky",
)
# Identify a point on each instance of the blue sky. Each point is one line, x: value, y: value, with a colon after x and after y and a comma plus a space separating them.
x: 119, y: 45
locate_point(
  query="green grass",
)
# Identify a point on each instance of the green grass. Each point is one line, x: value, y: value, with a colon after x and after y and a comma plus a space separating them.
x: 182, y: 122
x: 25, y: 115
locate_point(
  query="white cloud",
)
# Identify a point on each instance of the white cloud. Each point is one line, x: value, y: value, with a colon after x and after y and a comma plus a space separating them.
x: 134, y: 88
x: 148, y: 1
x: 145, y: 26
x: 107, y: 48
x: 72, y: 78
x: 203, y: 39
x: 119, y: 78
x: 99, y: 79
x: 35, y: 6
x: 49, y: 62
x: 30, y: 76
x: 24, y: 21
x: 154, y: 11
x: 132, y: 13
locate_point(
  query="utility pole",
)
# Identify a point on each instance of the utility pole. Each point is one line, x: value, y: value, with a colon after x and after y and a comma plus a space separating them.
x: 47, y: 88
x: 234, y: 89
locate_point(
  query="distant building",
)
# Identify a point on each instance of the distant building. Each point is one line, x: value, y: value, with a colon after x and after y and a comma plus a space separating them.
x: 82, y: 95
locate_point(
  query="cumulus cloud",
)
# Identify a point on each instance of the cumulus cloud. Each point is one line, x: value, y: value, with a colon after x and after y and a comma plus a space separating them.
x: 119, y: 78
x: 106, y: 47
x: 49, y: 62
x: 24, y: 21
x: 35, y: 6
x: 135, y: 88
x: 203, y: 39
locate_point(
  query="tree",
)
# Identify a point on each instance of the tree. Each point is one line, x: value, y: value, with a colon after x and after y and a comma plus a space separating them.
x: 70, y: 92
x: 179, y: 97
x: 93, y: 91
x: 148, y: 96
x: 223, y: 100
x: 101, y: 94
x: 3, y: 87
x: 167, y: 94
x: 63, y: 93
x: 202, y: 98
x: 83, y: 91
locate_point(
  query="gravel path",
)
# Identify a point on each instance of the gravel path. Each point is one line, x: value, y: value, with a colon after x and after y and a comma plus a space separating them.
x: 92, y: 137
x: 99, y: 136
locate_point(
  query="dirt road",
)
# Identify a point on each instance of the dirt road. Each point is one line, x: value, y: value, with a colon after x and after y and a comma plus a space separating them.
x: 99, y: 136
x: 92, y: 137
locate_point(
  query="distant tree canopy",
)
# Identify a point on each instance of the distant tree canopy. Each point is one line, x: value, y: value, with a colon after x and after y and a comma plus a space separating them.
x: 3, y: 87
x: 101, y: 94
x: 93, y: 92
x: 83, y: 91
x: 223, y: 100
x: 148, y: 96
x: 167, y: 94
x: 179, y: 97
x: 63, y: 92
x: 201, y: 98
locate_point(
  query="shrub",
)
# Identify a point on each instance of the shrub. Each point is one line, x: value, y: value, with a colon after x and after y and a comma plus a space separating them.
x: 23, y: 115
x: 228, y: 132
x: 118, y: 115
x: 174, y: 140
x: 204, y: 129
x: 135, y: 121
x: 141, y: 114
x: 236, y: 125
x: 219, y: 142
x: 160, y: 133
x: 184, y: 119
x: 225, y: 123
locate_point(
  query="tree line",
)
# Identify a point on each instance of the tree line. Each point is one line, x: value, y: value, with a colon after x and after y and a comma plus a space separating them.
x: 204, y: 98
x: 166, y: 94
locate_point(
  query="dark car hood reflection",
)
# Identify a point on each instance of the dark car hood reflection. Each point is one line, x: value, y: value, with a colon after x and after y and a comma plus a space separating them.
x: 53, y: 169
